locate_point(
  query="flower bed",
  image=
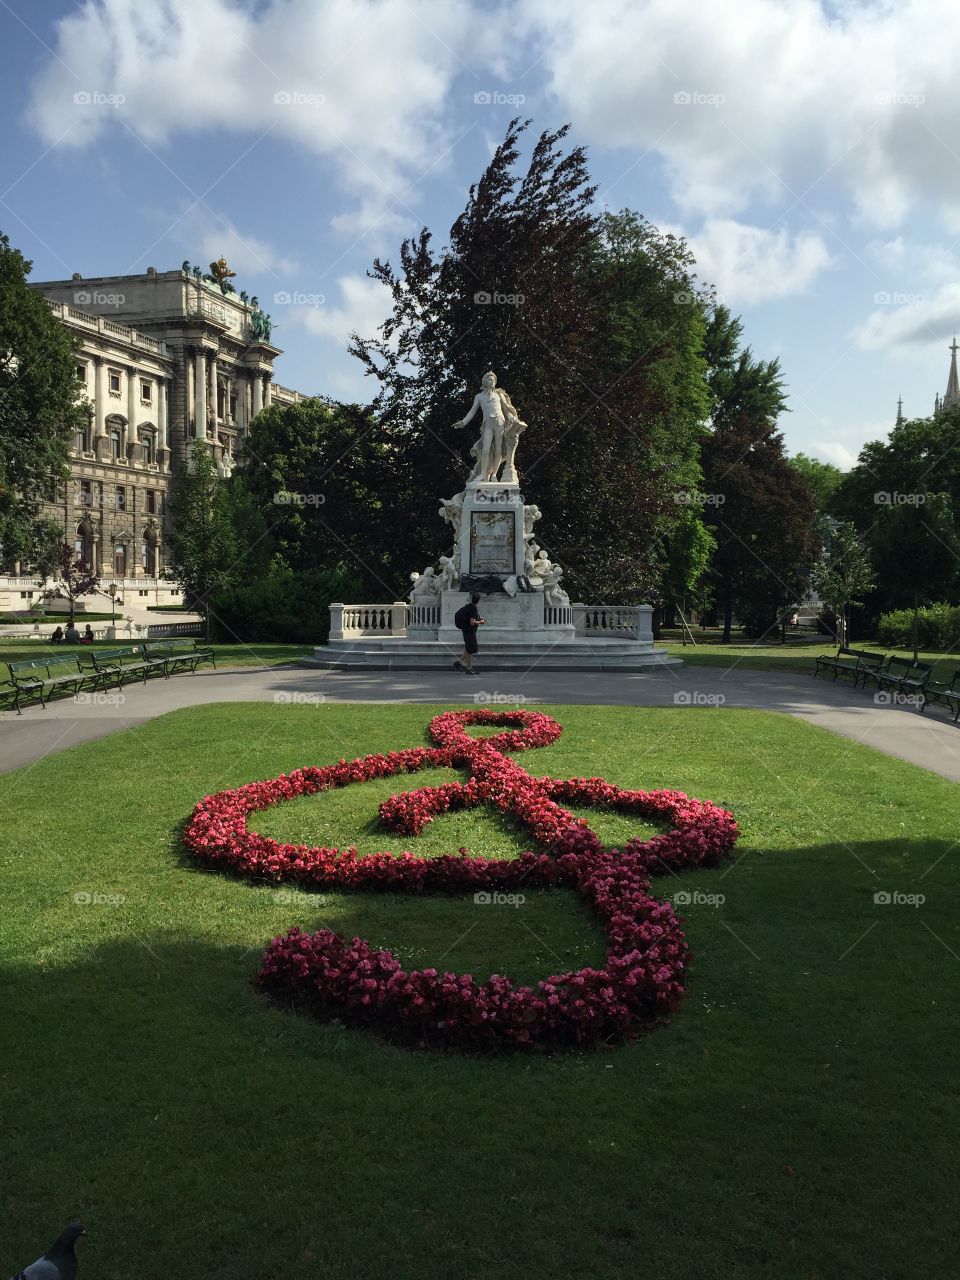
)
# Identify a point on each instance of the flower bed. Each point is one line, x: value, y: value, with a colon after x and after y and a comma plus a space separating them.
x: 642, y: 978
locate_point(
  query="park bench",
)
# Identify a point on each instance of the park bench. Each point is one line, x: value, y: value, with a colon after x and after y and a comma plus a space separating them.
x: 179, y: 655
x: 42, y: 677
x: 947, y: 692
x: 125, y: 663
x: 853, y: 662
x: 901, y: 675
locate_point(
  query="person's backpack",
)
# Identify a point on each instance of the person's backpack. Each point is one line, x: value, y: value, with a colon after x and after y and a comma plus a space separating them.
x: 460, y: 617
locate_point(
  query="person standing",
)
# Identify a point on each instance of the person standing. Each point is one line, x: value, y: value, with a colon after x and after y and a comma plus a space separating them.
x: 468, y: 620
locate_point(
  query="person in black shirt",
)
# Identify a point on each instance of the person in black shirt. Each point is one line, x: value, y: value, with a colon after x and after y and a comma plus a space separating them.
x: 468, y: 619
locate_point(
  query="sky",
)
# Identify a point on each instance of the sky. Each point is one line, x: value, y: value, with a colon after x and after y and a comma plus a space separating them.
x: 807, y: 150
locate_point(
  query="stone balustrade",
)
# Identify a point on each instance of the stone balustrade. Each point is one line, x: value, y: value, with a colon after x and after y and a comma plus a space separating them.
x: 622, y: 622
x: 353, y: 620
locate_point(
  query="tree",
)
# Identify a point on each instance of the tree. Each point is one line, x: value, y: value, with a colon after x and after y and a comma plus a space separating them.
x: 590, y: 323
x: 203, y: 552
x: 40, y: 407
x: 757, y: 505
x: 916, y: 549
x: 691, y: 548
x: 844, y: 574
x: 823, y: 478
x: 74, y: 579
x: 320, y: 477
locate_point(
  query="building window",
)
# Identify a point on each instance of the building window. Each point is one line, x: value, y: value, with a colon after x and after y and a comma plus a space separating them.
x: 151, y: 502
x: 114, y: 382
x: 120, y: 560
x: 121, y: 498
x: 80, y: 441
x: 82, y: 373
x: 146, y: 441
x: 146, y: 391
x: 86, y: 496
x: 233, y: 404
x: 115, y: 444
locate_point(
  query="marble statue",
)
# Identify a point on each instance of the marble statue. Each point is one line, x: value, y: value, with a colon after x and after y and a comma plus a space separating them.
x: 451, y: 510
x: 426, y: 583
x: 500, y: 433
x: 448, y: 573
x: 531, y: 514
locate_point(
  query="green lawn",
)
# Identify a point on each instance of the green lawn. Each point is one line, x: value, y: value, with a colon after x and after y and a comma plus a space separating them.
x: 796, y: 1119
x: 228, y: 655
x: 796, y: 656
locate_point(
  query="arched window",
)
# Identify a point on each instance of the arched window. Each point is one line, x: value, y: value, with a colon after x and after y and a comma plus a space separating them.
x: 148, y: 551
x: 120, y: 559
x: 147, y: 442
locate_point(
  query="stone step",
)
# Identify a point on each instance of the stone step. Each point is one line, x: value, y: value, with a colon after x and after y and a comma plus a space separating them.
x: 395, y: 653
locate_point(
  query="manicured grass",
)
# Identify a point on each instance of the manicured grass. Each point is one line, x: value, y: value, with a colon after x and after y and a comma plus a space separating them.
x: 228, y: 655
x: 796, y: 657
x: 796, y: 1119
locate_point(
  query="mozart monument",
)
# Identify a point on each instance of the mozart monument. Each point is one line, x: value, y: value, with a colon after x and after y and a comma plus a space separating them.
x: 529, y: 619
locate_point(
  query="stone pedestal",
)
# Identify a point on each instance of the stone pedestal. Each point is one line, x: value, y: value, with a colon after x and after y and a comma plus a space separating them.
x: 491, y: 530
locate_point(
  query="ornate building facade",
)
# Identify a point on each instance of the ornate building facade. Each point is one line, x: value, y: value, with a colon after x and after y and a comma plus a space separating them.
x: 165, y: 358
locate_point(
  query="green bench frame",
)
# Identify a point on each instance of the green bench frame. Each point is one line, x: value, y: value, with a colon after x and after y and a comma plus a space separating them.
x: 26, y: 678
x: 125, y: 662
x: 177, y: 654
x: 864, y: 662
x: 949, y: 694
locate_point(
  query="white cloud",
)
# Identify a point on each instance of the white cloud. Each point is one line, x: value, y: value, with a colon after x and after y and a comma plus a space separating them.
x: 906, y: 320
x: 364, y: 304
x: 749, y: 264
x: 837, y: 453
x: 362, y: 83
x: 783, y: 101
x: 244, y: 253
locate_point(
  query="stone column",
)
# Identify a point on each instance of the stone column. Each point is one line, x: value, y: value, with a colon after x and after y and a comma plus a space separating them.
x: 336, y: 622
x: 163, y: 435
x: 133, y: 559
x: 214, y: 415
x: 267, y: 390
x: 257, y: 393
x: 133, y: 378
x: 100, y: 396
x: 240, y: 425
x: 200, y: 387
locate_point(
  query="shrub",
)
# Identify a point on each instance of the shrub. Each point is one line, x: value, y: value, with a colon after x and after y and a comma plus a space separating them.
x: 938, y: 627
x: 282, y: 607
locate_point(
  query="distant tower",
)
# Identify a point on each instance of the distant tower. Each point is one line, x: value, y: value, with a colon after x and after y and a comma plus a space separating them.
x: 899, y: 422
x: 951, y: 396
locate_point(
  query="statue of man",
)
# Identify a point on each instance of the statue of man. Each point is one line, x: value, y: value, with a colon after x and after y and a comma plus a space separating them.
x: 500, y: 433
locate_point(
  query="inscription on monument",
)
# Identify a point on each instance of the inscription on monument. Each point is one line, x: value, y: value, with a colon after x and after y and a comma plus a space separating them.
x: 492, y: 542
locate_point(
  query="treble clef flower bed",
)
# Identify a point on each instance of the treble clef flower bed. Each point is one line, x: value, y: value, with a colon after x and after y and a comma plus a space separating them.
x: 329, y: 976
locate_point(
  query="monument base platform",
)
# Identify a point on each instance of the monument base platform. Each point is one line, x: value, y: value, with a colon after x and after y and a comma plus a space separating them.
x: 400, y: 653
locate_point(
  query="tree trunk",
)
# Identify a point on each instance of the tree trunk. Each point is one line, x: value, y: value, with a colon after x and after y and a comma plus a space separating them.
x: 916, y: 622
x: 727, y: 620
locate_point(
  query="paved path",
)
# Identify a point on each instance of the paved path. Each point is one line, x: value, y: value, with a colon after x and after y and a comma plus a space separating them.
x: 931, y: 740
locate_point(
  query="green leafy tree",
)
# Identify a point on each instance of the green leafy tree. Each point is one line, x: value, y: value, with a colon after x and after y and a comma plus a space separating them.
x: 823, y: 478
x: 844, y: 574
x: 323, y: 481
x: 916, y: 548
x: 757, y: 505
x: 590, y: 323
x: 691, y: 548
x: 74, y: 578
x: 40, y: 408
x: 203, y: 554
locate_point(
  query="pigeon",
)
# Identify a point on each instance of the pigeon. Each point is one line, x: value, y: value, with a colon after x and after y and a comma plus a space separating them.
x: 60, y: 1261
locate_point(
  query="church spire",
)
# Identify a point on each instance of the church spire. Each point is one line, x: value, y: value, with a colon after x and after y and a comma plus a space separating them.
x: 899, y: 411
x: 952, y: 393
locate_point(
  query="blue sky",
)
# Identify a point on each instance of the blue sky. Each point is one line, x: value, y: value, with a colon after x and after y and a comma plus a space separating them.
x: 809, y: 151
